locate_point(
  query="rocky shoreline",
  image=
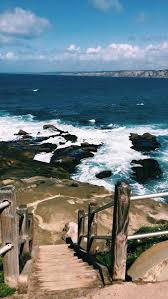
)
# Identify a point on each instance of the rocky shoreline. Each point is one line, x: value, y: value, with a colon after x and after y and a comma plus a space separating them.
x: 18, y: 157
x: 51, y: 194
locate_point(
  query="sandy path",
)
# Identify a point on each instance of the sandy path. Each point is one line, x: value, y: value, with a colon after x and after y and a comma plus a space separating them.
x: 41, y: 223
x: 49, y: 226
x: 132, y: 291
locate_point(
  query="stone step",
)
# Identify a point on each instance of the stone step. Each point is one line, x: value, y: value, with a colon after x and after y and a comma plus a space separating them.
x: 53, y: 287
x: 66, y: 279
x: 68, y: 273
x: 59, y: 264
x: 55, y: 258
x: 56, y: 269
x: 71, y: 271
x: 62, y: 262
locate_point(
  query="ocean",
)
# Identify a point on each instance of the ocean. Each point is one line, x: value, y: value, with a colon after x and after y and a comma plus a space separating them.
x: 97, y: 110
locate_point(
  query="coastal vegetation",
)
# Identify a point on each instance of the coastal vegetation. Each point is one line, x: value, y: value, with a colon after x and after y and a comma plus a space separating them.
x: 5, y: 290
x: 136, y: 247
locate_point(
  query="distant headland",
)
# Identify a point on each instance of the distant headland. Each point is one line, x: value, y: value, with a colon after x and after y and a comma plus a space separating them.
x: 121, y: 73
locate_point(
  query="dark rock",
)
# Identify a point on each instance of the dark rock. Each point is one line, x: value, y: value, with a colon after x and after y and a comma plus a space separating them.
x: 67, y: 163
x: 144, y: 170
x: 14, y: 167
x: 53, y: 128
x: 27, y: 137
x: 69, y: 137
x: 104, y: 174
x: 41, y: 138
x: 45, y: 147
x: 144, y: 143
x: 17, y: 158
x: 90, y: 147
x: 74, y: 184
x: 69, y: 157
x: 23, y: 147
x: 17, y: 161
x: 22, y: 133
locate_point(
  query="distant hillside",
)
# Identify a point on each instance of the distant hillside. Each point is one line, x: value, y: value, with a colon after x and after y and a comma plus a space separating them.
x: 133, y: 74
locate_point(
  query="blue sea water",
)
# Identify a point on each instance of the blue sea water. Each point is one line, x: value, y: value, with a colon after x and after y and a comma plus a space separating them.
x: 96, y: 109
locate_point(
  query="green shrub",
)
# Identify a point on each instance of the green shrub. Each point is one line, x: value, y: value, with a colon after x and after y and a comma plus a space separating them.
x: 1, y: 264
x: 135, y: 247
x: 1, y: 277
x: 5, y: 290
x: 23, y: 259
x: 104, y: 258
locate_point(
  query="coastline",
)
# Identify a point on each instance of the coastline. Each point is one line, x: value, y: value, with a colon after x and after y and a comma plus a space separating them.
x: 53, y: 196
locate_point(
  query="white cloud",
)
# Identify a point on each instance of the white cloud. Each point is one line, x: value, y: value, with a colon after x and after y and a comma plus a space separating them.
x: 73, y: 49
x: 120, y: 55
x: 122, y: 51
x: 8, y: 56
x: 22, y: 23
x: 106, y: 5
x: 112, y: 56
x: 5, y: 39
x: 93, y: 50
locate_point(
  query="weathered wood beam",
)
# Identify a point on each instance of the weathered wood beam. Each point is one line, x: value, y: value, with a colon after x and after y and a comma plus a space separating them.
x: 4, y: 249
x: 81, y: 221
x: 120, y: 230
x: 24, y: 230
x: 4, y: 205
x: 92, y: 225
x: 9, y: 235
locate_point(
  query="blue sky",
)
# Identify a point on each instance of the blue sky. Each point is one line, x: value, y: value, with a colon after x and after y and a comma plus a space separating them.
x: 74, y: 35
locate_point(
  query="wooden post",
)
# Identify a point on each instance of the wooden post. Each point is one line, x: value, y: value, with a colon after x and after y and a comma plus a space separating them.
x: 120, y: 230
x: 81, y: 221
x: 24, y: 232
x: 91, y: 225
x: 9, y: 234
x: 30, y: 225
x: 94, y: 231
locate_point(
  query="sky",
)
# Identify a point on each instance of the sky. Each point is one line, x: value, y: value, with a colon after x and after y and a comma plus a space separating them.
x: 83, y: 35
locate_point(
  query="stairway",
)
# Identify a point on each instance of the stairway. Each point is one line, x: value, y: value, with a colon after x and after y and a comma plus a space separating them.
x: 57, y: 273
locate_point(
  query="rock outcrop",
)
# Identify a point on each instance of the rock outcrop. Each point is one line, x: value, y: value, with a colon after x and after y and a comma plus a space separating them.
x: 70, y: 137
x: 151, y: 265
x: 69, y: 157
x: 104, y: 174
x: 17, y: 160
x: 22, y: 133
x: 144, y: 170
x: 144, y: 143
x: 53, y: 128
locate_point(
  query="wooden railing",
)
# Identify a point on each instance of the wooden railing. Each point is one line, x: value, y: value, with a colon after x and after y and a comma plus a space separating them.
x: 16, y: 234
x: 119, y: 234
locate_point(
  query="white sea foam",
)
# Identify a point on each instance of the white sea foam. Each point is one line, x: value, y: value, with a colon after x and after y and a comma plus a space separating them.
x: 92, y: 121
x: 140, y: 104
x: 43, y: 157
x: 10, y: 125
x: 114, y: 154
